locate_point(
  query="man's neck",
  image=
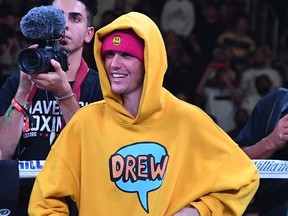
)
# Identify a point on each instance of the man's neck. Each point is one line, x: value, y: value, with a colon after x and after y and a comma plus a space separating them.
x: 74, y: 61
x: 131, y: 103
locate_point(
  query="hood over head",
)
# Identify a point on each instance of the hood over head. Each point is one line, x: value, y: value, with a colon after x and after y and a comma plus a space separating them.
x: 155, y: 64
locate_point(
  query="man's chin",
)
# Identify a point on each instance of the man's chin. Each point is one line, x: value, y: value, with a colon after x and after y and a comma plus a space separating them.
x: 63, y: 43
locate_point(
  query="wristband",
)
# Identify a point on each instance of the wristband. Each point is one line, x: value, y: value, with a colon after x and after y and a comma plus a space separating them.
x: 18, y: 107
x: 12, y: 107
x: 22, y: 109
x: 8, y: 113
x: 64, y: 97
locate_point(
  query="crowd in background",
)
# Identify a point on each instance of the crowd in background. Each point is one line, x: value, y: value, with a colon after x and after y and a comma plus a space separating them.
x: 214, y: 60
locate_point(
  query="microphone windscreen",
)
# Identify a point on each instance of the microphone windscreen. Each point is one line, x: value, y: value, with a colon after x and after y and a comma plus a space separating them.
x: 44, y: 22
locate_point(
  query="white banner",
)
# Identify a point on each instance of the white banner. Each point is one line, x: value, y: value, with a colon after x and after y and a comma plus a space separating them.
x: 275, y: 169
x: 267, y: 168
x: 30, y: 169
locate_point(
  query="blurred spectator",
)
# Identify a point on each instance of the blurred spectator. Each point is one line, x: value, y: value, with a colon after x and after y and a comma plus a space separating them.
x: 219, y: 97
x: 240, y: 41
x: 178, y: 16
x: 221, y: 58
x: 260, y: 66
x: 263, y: 86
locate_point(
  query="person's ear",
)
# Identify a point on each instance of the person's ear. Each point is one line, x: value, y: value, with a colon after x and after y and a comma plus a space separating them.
x: 89, y: 34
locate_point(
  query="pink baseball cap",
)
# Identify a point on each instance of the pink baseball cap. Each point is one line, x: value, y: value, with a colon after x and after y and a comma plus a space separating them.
x: 124, y: 41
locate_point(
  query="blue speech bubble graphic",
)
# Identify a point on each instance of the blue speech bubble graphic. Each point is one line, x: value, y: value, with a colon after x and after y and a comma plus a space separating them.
x: 139, y: 168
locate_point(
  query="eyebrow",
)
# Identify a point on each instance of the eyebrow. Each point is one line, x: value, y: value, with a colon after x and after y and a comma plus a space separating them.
x: 75, y: 14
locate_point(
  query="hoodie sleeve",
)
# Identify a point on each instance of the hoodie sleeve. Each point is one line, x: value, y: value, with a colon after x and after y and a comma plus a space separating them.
x: 47, y: 197
x: 235, y: 186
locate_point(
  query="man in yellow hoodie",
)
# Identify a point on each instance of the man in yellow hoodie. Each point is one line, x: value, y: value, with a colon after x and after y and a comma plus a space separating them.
x: 141, y: 151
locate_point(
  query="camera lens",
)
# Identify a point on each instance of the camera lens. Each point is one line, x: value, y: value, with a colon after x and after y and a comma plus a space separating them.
x: 33, y: 61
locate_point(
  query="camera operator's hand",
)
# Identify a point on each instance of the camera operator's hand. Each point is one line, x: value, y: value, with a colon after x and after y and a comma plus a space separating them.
x: 24, y: 88
x: 58, y: 83
x: 25, y: 85
x: 53, y: 81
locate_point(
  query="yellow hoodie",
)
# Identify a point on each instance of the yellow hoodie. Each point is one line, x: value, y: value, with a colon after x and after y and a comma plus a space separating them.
x: 169, y: 156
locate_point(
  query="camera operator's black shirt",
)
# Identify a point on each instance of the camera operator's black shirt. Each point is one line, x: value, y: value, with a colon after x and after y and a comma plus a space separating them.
x: 35, y: 144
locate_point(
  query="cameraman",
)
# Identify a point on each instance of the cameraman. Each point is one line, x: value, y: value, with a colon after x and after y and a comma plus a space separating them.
x: 76, y: 87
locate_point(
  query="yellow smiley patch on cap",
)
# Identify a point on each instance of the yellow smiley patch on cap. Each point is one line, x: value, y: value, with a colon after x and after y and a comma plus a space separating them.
x: 116, y: 41
x: 125, y: 40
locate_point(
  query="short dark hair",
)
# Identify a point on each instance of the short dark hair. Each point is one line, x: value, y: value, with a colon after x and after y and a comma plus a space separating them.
x: 91, y: 8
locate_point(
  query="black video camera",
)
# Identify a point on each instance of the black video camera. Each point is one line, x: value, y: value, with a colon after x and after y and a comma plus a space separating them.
x: 46, y: 25
x: 32, y: 61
